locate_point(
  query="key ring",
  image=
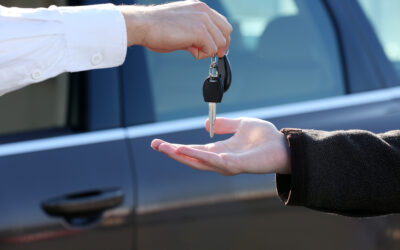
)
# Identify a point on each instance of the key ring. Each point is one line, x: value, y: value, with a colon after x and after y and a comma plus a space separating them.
x: 213, y: 71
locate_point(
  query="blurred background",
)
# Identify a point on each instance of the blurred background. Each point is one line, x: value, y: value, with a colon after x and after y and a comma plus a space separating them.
x: 320, y: 64
x: 258, y: 57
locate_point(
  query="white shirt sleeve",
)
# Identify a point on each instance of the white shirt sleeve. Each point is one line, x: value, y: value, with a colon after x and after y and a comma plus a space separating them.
x: 36, y: 44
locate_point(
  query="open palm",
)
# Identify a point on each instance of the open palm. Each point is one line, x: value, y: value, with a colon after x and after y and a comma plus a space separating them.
x: 256, y: 147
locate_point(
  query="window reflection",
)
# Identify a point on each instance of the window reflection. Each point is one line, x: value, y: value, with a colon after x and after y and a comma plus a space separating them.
x: 385, y: 18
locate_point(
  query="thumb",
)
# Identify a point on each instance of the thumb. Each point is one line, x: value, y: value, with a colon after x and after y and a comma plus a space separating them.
x: 224, y: 125
x: 197, y: 53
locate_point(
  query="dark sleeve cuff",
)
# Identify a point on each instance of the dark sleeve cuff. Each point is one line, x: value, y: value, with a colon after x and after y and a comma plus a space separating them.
x: 291, y: 187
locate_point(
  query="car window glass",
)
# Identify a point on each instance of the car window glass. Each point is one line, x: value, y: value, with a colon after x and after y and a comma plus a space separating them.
x: 39, y: 106
x: 385, y: 18
x: 282, y: 51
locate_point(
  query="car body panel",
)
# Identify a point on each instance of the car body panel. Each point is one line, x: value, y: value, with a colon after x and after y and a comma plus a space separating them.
x: 41, y: 175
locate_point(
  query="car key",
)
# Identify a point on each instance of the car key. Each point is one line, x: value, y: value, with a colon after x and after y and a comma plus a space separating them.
x: 224, y: 71
x: 213, y: 91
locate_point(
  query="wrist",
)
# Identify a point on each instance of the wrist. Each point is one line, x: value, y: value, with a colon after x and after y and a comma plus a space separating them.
x: 136, y: 24
x: 285, y: 166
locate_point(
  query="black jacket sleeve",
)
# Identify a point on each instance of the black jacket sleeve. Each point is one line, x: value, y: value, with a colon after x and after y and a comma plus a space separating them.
x: 354, y: 173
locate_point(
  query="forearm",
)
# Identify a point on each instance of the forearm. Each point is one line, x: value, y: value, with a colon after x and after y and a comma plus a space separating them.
x: 355, y: 172
x: 41, y: 43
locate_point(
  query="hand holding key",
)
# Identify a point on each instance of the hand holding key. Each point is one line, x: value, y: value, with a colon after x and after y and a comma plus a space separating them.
x: 182, y: 25
x: 256, y: 147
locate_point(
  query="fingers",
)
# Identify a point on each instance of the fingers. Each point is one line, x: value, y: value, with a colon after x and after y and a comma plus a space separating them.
x: 205, y: 43
x: 204, y: 156
x: 218, y: 29
x: 156, y: 143
x: 199, y: 53
x: 212, y: 160
x: 225, y: 28
x: 222, y: 52
x: 170, y: 150
x: 216, y: 32
x: 224, y: 125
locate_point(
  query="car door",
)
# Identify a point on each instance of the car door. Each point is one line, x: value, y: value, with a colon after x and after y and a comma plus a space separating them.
x: 306, y: 64
x: 61, y: 189
x: 65, y: 178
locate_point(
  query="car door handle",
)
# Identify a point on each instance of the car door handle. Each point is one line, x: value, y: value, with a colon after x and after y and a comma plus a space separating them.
x: 81, y: 204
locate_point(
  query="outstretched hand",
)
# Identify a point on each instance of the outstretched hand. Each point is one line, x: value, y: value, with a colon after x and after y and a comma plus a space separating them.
x: 256, y: 147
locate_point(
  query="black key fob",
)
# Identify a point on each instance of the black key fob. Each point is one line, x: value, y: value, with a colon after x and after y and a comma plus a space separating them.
x: 224, y: 72
x: 213, y: 89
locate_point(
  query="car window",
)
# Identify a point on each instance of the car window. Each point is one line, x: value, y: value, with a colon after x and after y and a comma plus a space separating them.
x: 36, y: 107
x: 385, y: 19
x: 282, y: 51
x: 39, y: 106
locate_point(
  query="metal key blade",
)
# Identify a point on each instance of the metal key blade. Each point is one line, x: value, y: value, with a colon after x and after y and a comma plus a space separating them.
x: 212, y: 108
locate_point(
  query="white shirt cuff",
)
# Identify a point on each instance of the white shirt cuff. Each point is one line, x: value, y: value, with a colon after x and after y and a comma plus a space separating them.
x: 95, y: 35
